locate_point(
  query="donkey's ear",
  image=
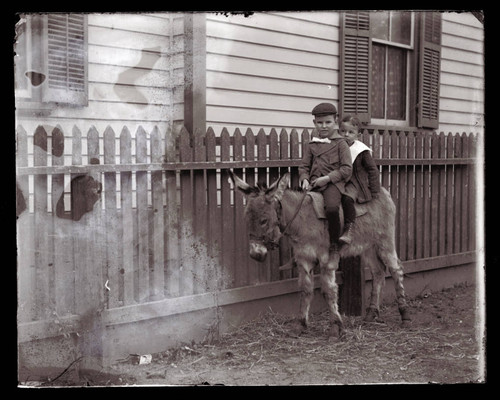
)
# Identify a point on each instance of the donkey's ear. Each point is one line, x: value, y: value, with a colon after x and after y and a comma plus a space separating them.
x: 240, y: 183
x: 278, y: 188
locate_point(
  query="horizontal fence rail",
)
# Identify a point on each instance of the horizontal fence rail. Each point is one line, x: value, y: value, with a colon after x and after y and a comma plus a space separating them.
x: 114, y: 219
x: 202, y: 165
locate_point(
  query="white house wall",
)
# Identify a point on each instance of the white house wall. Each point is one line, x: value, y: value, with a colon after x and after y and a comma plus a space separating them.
x: 270, y: 69
x: 135, y: 75
x: 462, y: 74
x: 265, y: 70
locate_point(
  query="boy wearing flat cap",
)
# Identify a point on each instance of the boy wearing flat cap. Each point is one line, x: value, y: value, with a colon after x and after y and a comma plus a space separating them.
x: 327, y: 166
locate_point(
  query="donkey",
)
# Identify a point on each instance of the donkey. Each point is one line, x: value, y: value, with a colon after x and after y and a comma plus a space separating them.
x: 272, y: 212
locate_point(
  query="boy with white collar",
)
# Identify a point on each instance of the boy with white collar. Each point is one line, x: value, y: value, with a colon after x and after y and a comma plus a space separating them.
x: 327, y: 166
x: 364, y: 184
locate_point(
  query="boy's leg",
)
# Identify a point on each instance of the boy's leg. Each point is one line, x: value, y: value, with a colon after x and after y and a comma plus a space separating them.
x: 332, y: 198
x: 349, y: 218
x: 349, y: 209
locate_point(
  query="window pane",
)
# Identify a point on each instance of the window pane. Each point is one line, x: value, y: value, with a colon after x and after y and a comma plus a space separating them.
x: 396, y: 83
x: 401, y: 27
x: 379, y: 24
x: 378, y: 81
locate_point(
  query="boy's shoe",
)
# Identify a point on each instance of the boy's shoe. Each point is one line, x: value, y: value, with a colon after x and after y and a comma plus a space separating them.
x: 346, y: 238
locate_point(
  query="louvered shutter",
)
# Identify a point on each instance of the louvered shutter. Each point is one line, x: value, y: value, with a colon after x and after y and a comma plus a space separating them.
x: 65, y: 59
x: 429, y: 70
x: 355, y: 65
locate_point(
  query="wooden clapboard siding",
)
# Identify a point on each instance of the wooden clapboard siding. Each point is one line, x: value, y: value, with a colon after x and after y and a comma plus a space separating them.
x: 270, y: 69
x: 228, y: 46
x: 269, y: 85
x: 317, y: 17
x: 242, y: 116
x: 135, y: 74
x: 462, y: 73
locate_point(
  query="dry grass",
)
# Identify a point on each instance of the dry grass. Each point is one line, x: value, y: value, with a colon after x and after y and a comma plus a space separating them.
x: 440, y: 345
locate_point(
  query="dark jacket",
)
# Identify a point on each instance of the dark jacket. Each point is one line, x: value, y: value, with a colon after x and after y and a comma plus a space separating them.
x: 365, y: 177
x: 332, y: 159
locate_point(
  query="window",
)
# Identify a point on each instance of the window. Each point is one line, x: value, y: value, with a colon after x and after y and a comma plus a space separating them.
x: 391, y: 33
x: 390, y: 74
x: 51, y: 59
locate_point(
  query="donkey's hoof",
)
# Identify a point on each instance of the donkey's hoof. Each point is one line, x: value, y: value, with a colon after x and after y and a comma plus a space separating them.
x: 405, y: 315
x: 406, y: 323
x: 335, y: 333
x: 297, y: 327
x: 372, y: 315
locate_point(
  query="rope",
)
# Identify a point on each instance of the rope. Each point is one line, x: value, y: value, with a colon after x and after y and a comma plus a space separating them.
x: 295, y: 214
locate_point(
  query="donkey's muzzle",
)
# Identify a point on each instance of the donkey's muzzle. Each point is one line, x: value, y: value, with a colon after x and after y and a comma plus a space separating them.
x: 258, y: 251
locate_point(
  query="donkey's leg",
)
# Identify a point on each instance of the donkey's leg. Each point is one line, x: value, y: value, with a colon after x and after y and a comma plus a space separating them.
x: 329, y: 288
x: 369, y: 258
x: 306, y: 287
x: 391, y: 261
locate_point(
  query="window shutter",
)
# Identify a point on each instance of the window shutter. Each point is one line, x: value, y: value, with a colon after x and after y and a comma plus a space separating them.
x: 355, y: 65
x: 65, y: 59
x: 429, y: 70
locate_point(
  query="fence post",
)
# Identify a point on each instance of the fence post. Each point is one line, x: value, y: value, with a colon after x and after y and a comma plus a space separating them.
x: 111, y: 217
x: 25, y: 230
x: 41, y: 224
x: 186, y: 216
x: 141, y: 179
x: 241, y: 255
x: 227, y: 220
x: 158, y: 239
x: 352, y: 290
x: 253, y: 266
x: 64, y: 279
x: 88, y: 265
x: 127, y: 224
x: 171, y: 220
x: 195, y: 50
x: 285, y: 248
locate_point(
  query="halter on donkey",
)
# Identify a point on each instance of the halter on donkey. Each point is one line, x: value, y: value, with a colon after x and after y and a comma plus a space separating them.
x: 274, y: 211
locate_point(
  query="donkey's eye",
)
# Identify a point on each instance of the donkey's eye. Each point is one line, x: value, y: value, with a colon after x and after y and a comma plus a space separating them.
x: 263, y: 221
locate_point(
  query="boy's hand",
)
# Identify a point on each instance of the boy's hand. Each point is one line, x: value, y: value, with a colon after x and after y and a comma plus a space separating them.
x: 320, y: 182
x: 305, y: 185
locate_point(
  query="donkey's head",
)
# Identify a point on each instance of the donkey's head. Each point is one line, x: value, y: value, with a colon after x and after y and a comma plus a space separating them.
x: 262, y: 214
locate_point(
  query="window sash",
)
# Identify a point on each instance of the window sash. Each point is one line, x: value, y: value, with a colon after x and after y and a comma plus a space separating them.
x: 390, y: 121
x: 385, y: 89
x: 399, y: 44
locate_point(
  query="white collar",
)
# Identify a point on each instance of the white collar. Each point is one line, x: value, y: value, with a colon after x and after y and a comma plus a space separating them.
x: 358, y: 147
x: 320, y: 140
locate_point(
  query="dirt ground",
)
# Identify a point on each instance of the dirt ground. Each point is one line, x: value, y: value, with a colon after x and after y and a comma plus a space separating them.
x: 440, y: 345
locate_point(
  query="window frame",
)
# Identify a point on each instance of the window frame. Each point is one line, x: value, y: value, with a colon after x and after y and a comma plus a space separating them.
x: 38, y: 100
x: 397, y: 44
x: 395, y: 122
x: 354, y: 27
x: 408, y: 48
x: 53, y: 94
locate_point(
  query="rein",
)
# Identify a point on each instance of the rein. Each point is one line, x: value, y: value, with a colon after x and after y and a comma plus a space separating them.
x: 295, y: 213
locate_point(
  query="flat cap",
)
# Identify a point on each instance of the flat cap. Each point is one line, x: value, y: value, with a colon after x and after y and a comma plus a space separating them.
x: 324, y: 109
